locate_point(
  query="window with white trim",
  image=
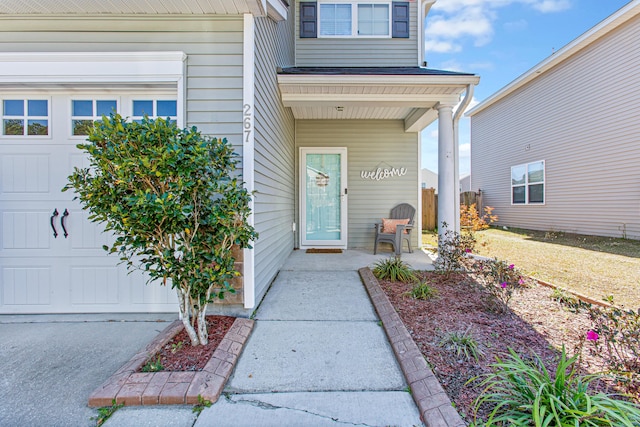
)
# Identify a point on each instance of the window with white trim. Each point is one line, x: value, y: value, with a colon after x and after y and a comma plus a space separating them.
x: 154, y: 108
x: 527, y: 183
x: 354, y: 19
x: 84, y: 112
x: 25, y: 117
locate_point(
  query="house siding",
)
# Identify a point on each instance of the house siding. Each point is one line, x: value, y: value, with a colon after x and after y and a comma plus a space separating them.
x: 370, y: 144
x: 274, y: 155
x: 213, y: 46
x: 358, y: 52
x: 583, y: 119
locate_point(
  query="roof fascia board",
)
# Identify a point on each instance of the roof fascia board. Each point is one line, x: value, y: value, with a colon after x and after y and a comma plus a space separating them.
x: 609, y: 24
x: 368, y: 100
x: 386, y: 80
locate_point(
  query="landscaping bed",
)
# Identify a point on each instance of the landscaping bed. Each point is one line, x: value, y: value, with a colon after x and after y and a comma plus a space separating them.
x: 535, y: 323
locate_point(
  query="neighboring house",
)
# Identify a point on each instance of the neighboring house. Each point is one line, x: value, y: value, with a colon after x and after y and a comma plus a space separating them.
x: 559, y: 147
x: 429, y: 179
x: 324, y: 102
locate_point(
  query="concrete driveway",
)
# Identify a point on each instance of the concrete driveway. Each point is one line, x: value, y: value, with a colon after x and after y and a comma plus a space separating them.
x: 49, y: 364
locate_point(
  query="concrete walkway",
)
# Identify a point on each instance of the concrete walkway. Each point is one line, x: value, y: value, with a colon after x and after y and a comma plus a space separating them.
x: 317, y: 356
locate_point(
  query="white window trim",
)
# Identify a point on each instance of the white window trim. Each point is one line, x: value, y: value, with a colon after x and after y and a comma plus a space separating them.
x: 100, y: 69
x: 526, y: 184
x: 26, y: 117
x: 354, y: 20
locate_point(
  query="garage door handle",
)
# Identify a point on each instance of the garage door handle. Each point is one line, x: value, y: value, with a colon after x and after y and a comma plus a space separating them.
x: 64, y: 216
x: 55, y: 214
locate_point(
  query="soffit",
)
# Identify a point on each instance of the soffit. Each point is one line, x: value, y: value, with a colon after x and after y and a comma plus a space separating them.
x: 143, y: 7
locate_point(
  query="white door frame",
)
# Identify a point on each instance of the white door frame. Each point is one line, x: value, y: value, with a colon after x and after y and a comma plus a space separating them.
x: 342, y: 243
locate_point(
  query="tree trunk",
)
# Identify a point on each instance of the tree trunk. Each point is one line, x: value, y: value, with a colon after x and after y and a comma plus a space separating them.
x: 203, y: 334
x: 187, y: 318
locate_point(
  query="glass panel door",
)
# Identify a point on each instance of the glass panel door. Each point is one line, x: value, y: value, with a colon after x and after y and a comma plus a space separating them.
x: 323, y: 197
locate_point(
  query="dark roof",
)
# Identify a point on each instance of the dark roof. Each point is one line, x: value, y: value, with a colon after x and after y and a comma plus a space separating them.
x: 372, y: 71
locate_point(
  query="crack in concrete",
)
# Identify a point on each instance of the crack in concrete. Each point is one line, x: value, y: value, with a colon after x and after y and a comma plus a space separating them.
x: 268, y: 406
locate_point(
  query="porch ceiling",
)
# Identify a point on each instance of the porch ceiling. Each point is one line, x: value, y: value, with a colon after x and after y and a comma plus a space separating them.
x: 403, y: 93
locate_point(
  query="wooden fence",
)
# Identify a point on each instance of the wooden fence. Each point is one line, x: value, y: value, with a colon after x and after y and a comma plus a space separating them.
x: 430, y: 205
x: 429, y: 209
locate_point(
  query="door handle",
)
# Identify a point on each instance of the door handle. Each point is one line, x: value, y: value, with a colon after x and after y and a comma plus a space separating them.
x: 53, y: 216
x: 64, y: 216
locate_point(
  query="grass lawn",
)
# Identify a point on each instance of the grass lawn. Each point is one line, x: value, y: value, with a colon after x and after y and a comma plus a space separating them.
x: 590, y: 265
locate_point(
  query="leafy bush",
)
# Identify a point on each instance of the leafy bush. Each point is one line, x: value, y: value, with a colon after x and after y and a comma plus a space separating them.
x: 453, y: 250
x: 499, y: 281
x: 615, y: 337
x: 394, y: 269
x: 462, y: 344
x: 469, y: 217
x: 423, y: 290
x: 524, y: 393
x: 174, y: 205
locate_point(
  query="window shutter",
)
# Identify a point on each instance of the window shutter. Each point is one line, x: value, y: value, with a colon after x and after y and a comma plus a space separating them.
x: 308, y: 20
x: 400, y: 20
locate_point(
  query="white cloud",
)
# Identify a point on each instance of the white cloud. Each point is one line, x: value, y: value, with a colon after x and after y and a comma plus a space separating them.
x: 518, y: 25
x: 451, y: 21
x: 550, y: 6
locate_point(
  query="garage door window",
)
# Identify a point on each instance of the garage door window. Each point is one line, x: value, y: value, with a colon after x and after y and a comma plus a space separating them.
x: 86, y: 111
x: 154, y: 108
x: 25, y: 117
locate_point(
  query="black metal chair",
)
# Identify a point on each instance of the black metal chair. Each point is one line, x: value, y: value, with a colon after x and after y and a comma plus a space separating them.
x: 403, y: 211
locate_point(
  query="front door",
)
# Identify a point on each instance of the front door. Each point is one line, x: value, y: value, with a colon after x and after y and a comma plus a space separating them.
x: 323, y: 197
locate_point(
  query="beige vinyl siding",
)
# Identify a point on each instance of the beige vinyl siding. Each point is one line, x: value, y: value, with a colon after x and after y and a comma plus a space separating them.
x: 370, y: 144
x: 213, y: 46
x: 583, y: 119
x: 358, y: 52
x: 274, y: 155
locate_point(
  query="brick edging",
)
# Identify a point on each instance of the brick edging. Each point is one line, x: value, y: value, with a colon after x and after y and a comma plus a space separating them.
x: 129, y: 387
x: 433, y: 403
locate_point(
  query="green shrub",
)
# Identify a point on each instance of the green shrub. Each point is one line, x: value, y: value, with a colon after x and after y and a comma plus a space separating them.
x: 453, y: 251
x: 423, y: 290
x: 394, y: 269
x: 524, y: 393
x: 499, y: 281
x: 462, y: 344
x: 173, y: 201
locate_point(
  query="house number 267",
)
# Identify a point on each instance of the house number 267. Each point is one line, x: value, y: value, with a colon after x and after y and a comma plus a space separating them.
x: 247, y: 121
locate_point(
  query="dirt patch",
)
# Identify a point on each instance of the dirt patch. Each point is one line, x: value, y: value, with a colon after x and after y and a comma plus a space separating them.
x: 535, y: 324
x: 179, y: 355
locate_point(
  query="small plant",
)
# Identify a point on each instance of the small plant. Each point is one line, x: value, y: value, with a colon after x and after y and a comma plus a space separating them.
x: 500, y: 281
x: 462, y: 344
x: 202, y: 403
x: 469, y: 217
x: 563, y: 297
x: 524, y: 393
x: 153, y: 366
x: 176, y: 347
x: 453, y: 251
x: 423, y: 290
x: 394, y: 269
x: 106, y: 411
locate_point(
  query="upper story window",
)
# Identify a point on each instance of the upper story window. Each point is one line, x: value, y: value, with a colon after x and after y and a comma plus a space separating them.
x: 527, y: 183
x: 25, y: 117
x: 354, y: 19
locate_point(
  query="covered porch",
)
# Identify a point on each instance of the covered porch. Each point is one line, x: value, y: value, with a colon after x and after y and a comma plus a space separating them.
x: 376, y: 115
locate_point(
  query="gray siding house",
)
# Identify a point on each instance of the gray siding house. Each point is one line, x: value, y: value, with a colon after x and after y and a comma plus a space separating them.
x: 558, y: 148
x: 323, y: 101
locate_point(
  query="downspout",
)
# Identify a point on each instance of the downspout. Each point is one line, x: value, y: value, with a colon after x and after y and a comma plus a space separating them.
x: 456, y: 150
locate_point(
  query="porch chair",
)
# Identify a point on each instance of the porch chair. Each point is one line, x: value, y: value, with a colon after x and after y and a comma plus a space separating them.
x: 396, y: 228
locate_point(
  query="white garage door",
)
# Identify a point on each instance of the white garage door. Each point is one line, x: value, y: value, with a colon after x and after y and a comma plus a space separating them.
x: 51, y: 256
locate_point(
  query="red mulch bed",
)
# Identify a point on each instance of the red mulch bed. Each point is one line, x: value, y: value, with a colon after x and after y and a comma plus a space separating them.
x: 179, y: 355
x: 536, y: 323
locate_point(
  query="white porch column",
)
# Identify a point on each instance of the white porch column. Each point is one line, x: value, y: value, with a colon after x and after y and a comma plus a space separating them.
x: 447, y: 186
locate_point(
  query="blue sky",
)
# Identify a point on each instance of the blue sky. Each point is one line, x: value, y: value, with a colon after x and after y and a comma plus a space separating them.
x: 499, y: 40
